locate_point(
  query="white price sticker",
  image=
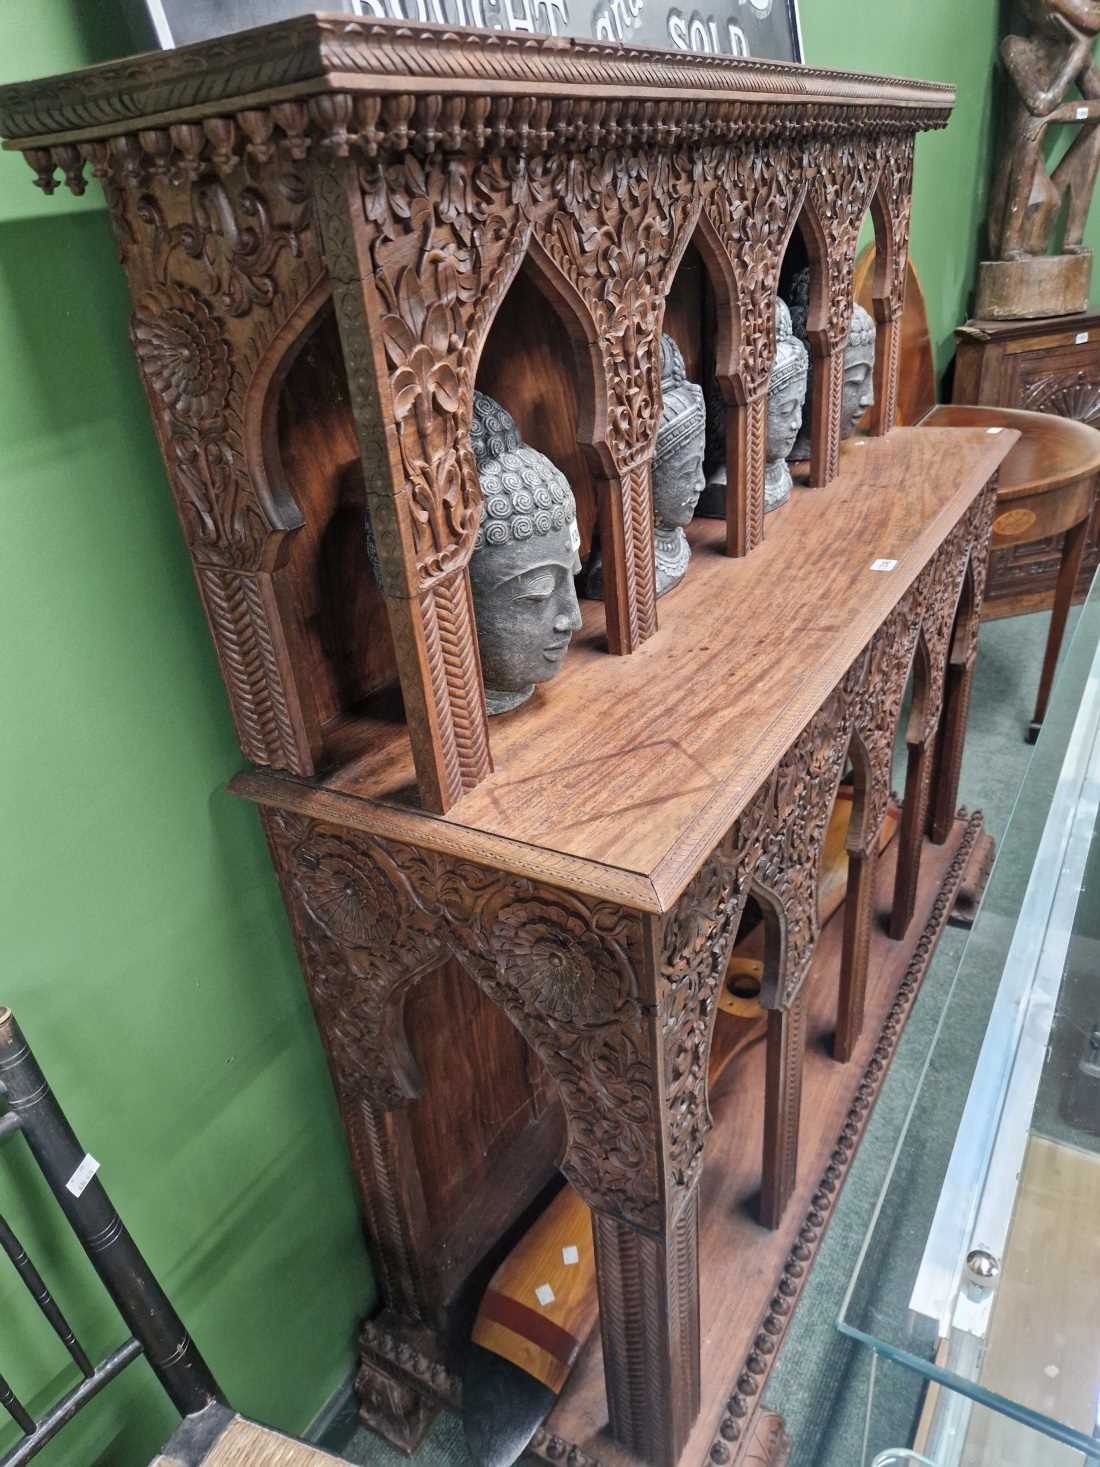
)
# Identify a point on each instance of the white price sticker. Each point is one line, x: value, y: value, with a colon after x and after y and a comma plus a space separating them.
x: 570, y: 1255
x: 1082, y: 113
x: 82, y: 1176
x: 574, y: 537
x: 993, y: 431
x: 1081, y: 338
x: 884, y: 565
x: 545, y: 1295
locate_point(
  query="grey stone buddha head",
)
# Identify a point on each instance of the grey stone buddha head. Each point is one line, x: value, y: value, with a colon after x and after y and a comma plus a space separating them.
x: 787, y: 388
x: 859, y: 366
x: 525, y: 557
x: 678, y: 478
x: 786, y: 399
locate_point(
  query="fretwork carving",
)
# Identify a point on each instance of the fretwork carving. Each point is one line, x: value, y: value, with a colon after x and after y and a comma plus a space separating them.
x: 623, y: 222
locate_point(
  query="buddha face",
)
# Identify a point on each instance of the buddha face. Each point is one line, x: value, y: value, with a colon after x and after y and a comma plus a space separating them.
x: 678, y: 480
x: 859, y: 389
x: 785, y: 417
x: 526, y: 609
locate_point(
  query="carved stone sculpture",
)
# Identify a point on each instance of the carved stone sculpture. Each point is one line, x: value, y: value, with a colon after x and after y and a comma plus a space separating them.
x: 786, y: 398
x: 859, y: 366
x: 1023, y: 279
x: 525, y: 557
x: 678, y: 478
x: 787, y: 389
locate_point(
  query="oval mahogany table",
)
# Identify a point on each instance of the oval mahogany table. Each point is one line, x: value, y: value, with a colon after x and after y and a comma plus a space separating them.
x: 1047, y: 485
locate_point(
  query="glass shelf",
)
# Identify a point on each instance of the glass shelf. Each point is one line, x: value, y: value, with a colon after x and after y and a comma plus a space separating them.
x: 978, y: 1288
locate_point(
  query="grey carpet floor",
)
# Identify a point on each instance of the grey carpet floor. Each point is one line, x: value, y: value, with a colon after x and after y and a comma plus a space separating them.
x: 820, y: 1379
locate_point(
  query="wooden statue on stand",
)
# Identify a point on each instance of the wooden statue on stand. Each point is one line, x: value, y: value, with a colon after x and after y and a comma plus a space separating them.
x: 515, y: 935
x: 1023, y: 280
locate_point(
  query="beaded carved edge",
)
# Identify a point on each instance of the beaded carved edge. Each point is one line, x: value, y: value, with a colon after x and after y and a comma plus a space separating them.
x: 318, y: 53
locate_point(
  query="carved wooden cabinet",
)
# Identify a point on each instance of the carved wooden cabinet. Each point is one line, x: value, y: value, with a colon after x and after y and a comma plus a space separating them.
x: 1046, y: 366
x: 515, y: 934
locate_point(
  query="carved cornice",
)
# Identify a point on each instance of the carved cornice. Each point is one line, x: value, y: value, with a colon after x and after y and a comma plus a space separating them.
x: 461, y: 90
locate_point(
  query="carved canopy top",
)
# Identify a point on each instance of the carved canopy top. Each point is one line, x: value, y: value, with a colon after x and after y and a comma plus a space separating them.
x: 318, y: 54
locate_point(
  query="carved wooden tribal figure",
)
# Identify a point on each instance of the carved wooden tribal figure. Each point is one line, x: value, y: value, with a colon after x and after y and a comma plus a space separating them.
x: 514, y: 936
x: 1043, y: 68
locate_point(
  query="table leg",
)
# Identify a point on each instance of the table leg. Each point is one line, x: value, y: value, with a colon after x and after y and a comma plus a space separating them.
x: 649, y: 1323
x: 1072, y: 550
x: 914, y: 819
x: 858, y: 911
x: 782, y: 1109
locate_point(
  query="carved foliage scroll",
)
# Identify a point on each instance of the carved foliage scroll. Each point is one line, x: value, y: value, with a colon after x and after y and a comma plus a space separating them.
x: 751, y: 209
x: 843, y: 175
x: 218, y: 268
x: 621, y: 226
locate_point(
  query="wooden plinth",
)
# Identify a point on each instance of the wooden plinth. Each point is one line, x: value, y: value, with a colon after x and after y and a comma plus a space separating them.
x: 754, y: 1276
x: 1038, y: 285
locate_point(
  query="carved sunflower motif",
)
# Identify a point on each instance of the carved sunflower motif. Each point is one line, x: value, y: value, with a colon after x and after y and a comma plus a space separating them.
x: 561, y: 966
x: 352, y: 901
x: 184, y: 356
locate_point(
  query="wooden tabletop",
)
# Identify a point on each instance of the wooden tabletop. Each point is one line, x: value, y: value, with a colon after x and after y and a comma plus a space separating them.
x: 1052, y: 451
x: 621, y: 775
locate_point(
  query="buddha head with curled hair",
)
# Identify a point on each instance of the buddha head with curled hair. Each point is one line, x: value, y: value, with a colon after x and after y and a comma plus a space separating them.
x: 859, y: 365
x: 525, y: 557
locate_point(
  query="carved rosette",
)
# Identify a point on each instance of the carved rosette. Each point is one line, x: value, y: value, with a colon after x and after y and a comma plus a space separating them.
x: 218, y: 270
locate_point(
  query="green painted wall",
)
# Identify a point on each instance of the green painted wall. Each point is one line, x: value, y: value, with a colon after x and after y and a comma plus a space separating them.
x: 941, y: 40
x: 145, y: 948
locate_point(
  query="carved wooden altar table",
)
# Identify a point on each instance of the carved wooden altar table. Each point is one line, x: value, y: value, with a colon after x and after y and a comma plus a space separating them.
x: 514, y: 934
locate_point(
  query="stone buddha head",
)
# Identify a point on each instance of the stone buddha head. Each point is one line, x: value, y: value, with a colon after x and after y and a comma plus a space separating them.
x: 678, y: 478
x: 786, y: 398
x: 525, y: 557
x: 859, y: 366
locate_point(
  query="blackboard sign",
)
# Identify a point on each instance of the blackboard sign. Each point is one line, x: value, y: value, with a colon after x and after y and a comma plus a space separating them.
x: 717, y: 27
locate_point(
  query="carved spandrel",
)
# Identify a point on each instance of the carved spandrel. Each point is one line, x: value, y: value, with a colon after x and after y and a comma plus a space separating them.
x: 892, y: 208
x: 609, y: 251
x: 748, y: 215
x: 223, y: 272
x: 842, y: 175
x: 568, y: 971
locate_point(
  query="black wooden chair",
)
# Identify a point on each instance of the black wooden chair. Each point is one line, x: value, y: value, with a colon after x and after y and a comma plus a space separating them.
x: 211, y: 1433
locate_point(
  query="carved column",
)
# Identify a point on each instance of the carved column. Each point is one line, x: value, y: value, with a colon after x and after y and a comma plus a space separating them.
x: 876, y: 710
x: 939, y: 589
x: 420, y: 251
x: 842, y: 176
x: 785, y: 1057
x: 606, y: 255
x: 798, y: 801
x: 892, y: 208
x: 859, y: 903
x: 744, y: 230
x: 224, y: 270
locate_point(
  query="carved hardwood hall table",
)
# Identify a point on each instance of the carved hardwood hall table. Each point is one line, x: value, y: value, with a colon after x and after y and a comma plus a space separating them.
x: 515, y: 934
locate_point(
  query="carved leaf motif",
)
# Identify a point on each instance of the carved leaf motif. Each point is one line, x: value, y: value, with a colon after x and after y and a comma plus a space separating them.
x: 751, y: 207
x: 468, y: 220
x: 843, y: 176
